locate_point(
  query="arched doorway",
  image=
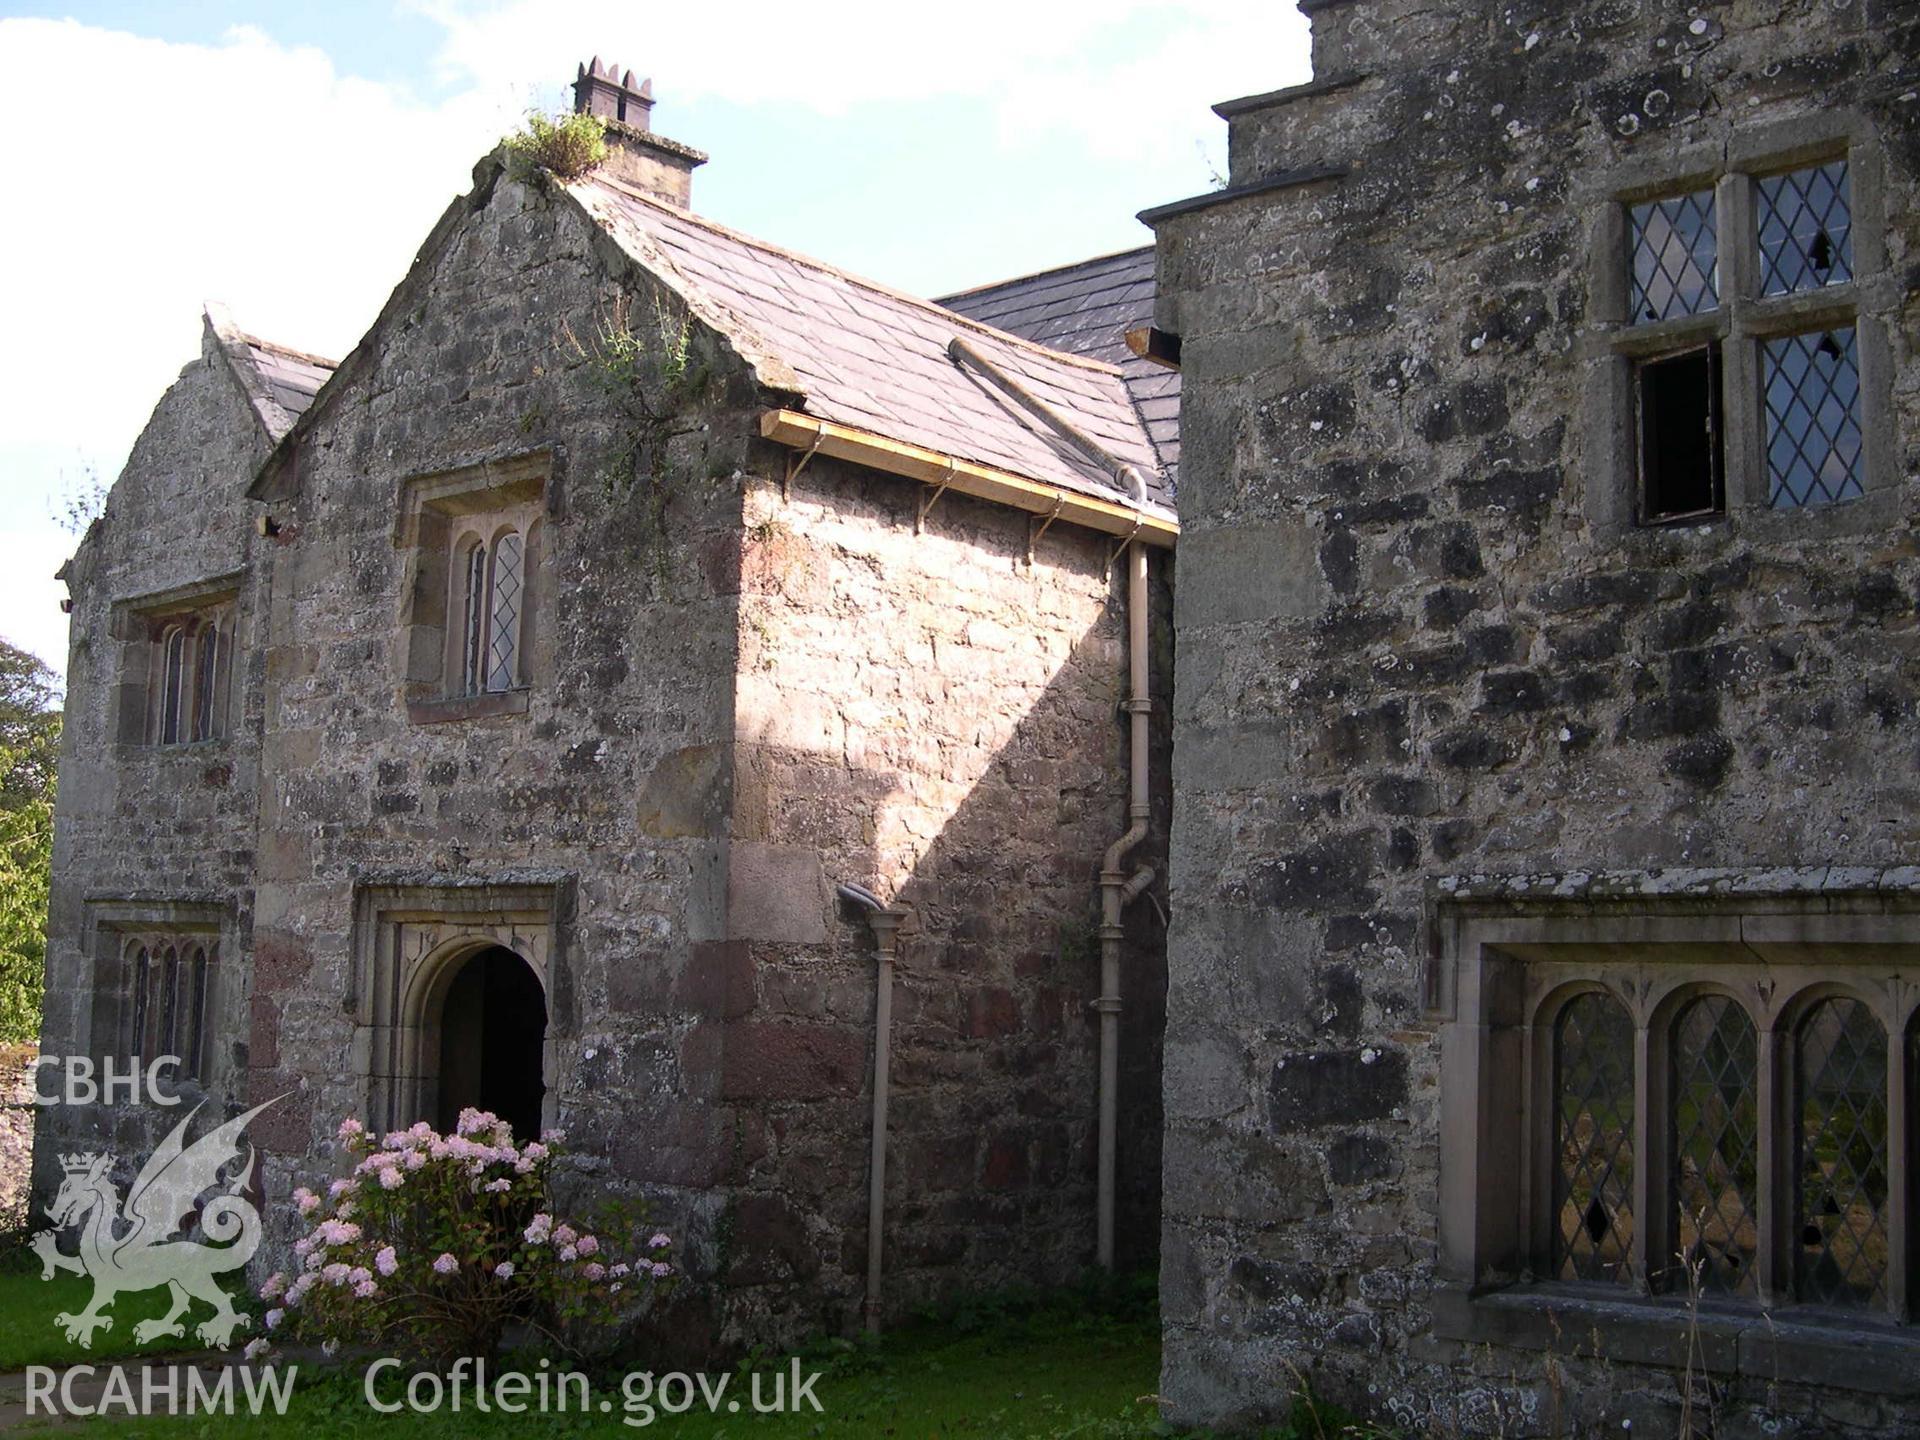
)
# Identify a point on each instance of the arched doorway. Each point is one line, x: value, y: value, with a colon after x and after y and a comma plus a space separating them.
x: 493, y: 1032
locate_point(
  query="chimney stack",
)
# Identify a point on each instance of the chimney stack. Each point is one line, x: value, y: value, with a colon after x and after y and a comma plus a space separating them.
x: 652, y: 163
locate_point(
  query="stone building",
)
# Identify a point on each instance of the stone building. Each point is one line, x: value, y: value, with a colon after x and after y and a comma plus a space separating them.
x: 578, y: 700
x: 1545, y: 868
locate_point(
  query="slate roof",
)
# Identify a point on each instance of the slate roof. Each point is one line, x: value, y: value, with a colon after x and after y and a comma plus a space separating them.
x: 291, y: 377
x: 280, y: 383
x: 858, y: 353
x: 1087, y: 309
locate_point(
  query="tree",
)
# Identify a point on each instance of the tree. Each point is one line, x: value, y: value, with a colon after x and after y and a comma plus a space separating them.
x: 29, y: 746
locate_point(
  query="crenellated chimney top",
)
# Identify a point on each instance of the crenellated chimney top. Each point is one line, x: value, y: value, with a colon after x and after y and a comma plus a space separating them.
x: 661, y: 167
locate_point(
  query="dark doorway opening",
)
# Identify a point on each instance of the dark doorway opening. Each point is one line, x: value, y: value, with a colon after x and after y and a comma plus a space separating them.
x: 493, y: 1032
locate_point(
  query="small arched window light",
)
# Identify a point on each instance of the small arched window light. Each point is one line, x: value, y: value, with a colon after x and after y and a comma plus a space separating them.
x: 169, y: 1003
x: 197, y: 1015
x: 206, y: 690
x: 173, y: 679
x: 493, y: 578
x: 142, y: 978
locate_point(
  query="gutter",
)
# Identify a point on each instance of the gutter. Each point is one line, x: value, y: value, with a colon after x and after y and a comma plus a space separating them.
x: 808, y: 433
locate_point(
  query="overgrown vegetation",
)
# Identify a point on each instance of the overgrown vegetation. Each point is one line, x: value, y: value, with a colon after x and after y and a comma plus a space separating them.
x: 29, y: 749
x: 652, y: 372
x: 568, y: 146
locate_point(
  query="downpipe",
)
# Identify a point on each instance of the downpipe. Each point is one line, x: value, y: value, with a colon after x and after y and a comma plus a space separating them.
x: 885, y: 921
x: 1118, y: 890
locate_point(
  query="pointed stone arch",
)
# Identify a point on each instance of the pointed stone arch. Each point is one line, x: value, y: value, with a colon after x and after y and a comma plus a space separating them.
x: 411, y: 944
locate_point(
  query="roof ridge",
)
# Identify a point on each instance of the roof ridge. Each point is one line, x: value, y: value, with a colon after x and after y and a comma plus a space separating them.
x: 1044, y: 274
x: 306, y: 356
x: 1100, y: 367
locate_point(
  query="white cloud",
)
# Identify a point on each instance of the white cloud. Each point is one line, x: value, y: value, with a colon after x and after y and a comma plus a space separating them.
x: 160, y: 175
x: 163, y: 175
x: 1110, y: 72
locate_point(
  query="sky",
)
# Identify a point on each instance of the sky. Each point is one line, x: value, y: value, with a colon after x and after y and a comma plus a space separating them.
x: 288, y: 160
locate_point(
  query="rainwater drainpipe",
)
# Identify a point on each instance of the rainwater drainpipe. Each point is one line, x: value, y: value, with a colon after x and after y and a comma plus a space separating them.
x: 1118, y: 890
x: 885, y: 921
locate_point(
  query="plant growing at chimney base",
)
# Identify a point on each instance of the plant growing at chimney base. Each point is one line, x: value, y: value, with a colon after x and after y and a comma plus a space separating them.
x: 569, y: 146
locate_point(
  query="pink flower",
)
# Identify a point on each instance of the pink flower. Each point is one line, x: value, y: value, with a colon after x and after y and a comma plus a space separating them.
x: 336, y: 1273
x: 386, y: 1262
x: 534, y: 1151
x: 339, y: 1188
x: 619, y: 1270
x: 589, y: 1245
x: 274, y: 1317
x: 504, y: 1270
x: 495, y: 1187
x: 445, y: 1264
x: 297, y: 1291
x: 551, y: 1138
x: 275, y: 1286
x: 415, y: 1159
x: 306, y: 1200
x: 659, y: 1242
x: 350, y: 1129
x: 564, y: 1235
x: 594, y: 1271
x: 366, y: 1289
x: 303, y: 1247
x: 473, y: 1121
x: 392, y: 1178
x: 661, y: 1269
x: 568, y: 1254
x: 537, y: 1232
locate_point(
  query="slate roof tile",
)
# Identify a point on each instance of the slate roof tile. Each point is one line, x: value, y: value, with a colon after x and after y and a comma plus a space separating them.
x: 876, y: 359
x: 1087, y: 309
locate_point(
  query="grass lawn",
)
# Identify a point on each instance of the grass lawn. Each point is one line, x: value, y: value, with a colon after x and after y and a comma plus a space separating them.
x: 1044, y: 1375
x: 28, y: 1304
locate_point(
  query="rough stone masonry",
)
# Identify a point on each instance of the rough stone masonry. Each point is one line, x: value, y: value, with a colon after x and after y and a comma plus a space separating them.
x: 1430, y: 645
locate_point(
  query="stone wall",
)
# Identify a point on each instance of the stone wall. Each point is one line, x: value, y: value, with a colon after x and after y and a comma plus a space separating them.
x: 736, y: 696
x: 924, y: 712
x: 1420, y: 638
x: 142, y: 825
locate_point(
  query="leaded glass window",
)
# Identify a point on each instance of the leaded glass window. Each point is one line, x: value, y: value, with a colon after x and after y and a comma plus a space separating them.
x: 142, y: 979
x: 1716, y: 1146
x: 474, y: 627
x: 503, y: 610
x: 1674, y: 249
x: 197, y: 1015
x: 1812, y: 389
x: 173, y: 647
x: 206, y: 673
x: 169, y: 1003
x: 1593, y: 1140
x: 1840, y: 1156
x: 1806, y: 229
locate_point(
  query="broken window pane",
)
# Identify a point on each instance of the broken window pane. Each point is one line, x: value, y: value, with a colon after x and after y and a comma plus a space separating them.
x: 1680, y: 446
x: 1841, y: 1156
x: 1716, y: 1146
x: 1674, y: 249
x: 1806, y: 229
x: 1811, y: 385
x: 1593, y: 1140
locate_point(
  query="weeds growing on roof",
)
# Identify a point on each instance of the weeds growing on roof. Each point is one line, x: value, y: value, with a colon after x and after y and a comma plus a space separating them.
x: 568, y: 147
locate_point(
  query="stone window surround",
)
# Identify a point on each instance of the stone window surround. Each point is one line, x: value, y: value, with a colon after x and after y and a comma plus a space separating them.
x: 438, y: 513
x: 410, y: 939
x: 110, y: 927
x: 1507, y: 951
x: 1870, y: 302
x: 138, y: 624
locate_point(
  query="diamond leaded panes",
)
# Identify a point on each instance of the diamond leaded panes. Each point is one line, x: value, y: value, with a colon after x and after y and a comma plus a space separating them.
x: 1593, y: 1140
x: 1841, y: 1158
x: 503, y: 630
x: 1806, y: 229
x: 1716, y: 1146
x: 1673, y: 247
x: 1811, y: 385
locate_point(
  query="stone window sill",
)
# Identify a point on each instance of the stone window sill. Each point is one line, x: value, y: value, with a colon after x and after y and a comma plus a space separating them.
x: 467, y: 707
x: 1798, y: 1344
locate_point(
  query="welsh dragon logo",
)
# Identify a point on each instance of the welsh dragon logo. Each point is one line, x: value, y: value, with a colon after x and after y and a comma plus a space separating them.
x: 131, y: 1248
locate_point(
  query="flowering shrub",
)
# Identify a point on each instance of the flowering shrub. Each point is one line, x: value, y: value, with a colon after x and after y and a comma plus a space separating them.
x: 435, y: 1243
